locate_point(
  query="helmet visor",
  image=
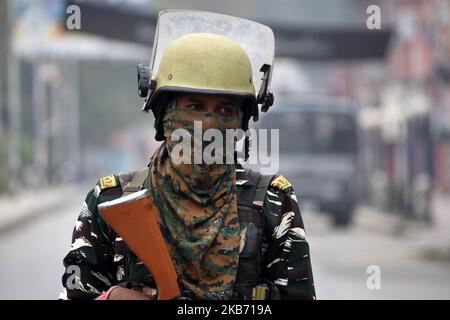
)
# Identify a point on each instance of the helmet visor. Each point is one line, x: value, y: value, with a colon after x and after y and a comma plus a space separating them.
x: 255, y: 38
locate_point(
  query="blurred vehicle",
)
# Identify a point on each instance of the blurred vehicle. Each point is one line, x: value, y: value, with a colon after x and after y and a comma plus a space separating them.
x: 318, y: 151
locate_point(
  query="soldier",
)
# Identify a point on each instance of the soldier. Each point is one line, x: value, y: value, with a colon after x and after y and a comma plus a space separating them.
x: 231, y: 233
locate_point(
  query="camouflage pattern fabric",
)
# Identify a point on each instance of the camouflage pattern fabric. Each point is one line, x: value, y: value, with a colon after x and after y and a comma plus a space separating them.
x: 202, y: 234
x: 104, y: 259
x: 202, y: 178
x: 287, y: 261
x: 198, y: 209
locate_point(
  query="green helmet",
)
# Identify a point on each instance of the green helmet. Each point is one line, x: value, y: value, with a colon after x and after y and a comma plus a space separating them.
x: 208, y: 53
x: 206, y: 63
x: 203, y: 63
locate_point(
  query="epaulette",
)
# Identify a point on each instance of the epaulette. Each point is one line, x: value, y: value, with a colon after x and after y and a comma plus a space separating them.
x: 105, y: 183
x: 281, y: 183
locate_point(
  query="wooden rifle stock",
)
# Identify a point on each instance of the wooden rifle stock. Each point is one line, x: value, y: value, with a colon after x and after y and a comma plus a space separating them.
x: 133, y: 218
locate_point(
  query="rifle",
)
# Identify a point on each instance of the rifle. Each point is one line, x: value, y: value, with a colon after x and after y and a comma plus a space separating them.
x: 133, y: 218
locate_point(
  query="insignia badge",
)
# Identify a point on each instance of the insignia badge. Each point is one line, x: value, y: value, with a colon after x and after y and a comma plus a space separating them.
x: 260, y: 292
x: 281, y: 183
x: 108, y: 182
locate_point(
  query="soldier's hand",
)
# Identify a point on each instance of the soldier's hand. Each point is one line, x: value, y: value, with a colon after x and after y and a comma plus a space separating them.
x: 120, y: 293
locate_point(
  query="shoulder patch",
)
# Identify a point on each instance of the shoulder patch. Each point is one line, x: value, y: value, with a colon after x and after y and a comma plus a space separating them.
x: 108, y: 182
x: 280, y: 183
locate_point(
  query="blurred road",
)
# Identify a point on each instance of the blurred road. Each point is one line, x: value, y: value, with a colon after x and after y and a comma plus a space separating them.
x: 340, y: 259
x: 32, y: 256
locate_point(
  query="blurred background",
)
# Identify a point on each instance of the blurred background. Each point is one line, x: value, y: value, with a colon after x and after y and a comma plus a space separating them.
x: 364, y: 119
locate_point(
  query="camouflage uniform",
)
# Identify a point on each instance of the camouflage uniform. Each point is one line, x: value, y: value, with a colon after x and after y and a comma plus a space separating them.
x: 105, y: 260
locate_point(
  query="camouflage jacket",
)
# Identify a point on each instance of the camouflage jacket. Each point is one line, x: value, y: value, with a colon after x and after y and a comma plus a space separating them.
x: 99, y: 259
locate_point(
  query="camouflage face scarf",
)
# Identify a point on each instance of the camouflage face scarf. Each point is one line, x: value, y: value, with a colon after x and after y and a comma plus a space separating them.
x: 198, y: 210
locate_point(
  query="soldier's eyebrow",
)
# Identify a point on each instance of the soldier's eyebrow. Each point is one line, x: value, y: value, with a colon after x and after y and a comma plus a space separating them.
x: 228, y: 101
x: 195, y: 100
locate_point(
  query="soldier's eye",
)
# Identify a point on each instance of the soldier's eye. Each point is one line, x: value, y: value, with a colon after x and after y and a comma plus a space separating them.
x: 227, y: 110
x: 194, y: 107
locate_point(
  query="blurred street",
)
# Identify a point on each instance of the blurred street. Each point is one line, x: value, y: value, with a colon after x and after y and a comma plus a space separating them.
x: 33, y: 253
x: 340, y: 259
